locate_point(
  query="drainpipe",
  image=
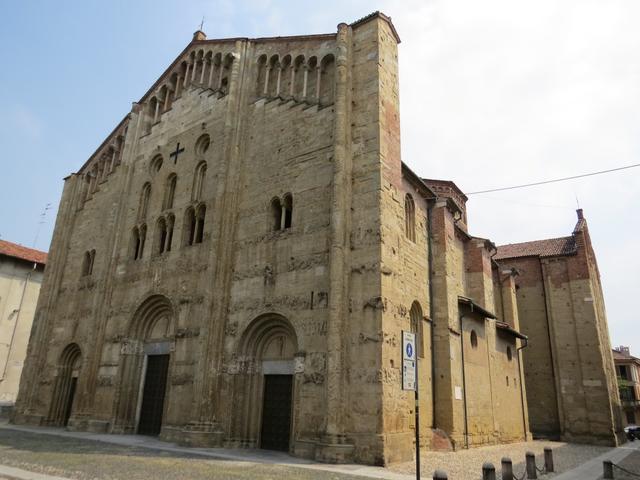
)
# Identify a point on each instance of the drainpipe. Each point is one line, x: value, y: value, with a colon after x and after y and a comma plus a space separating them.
x: 15, y: 324
x: 464, y: 381
x: 524, y: 418
x: 430, y: 205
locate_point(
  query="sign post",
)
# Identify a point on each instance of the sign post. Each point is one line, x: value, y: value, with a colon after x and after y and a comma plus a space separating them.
x: 410, y: 382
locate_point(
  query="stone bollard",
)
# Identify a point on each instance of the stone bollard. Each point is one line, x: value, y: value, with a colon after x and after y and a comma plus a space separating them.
x: 548, y: 460
x: 488, y: 471
x: 607, y: 467
x: 439, y: 475
x: 531, y: 465
x: 507, y: 469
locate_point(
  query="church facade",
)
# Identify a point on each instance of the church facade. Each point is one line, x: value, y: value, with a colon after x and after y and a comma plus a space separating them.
x: 236, y: 263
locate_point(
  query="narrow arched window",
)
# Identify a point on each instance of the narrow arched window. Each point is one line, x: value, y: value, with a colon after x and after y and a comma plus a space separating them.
x: 161, y: 236
x: 474, y: 339
x: 135, y: 243
x: 198, y: 181
x: 189, y: 226
x: 409, y: 217
x: 417, y: 322
x: 200, y: 215
x: 276, y: 214
x: 86, y: 264
x: 145, y: 197
x: 171, y: 220
x: 287, y: 205
x: 92, y: 257
x: 143, y: 240
x: 170, y: 191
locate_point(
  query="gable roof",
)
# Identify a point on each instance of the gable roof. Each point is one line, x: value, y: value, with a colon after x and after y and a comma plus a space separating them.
x: 551, y: 247
x: 14, y: 250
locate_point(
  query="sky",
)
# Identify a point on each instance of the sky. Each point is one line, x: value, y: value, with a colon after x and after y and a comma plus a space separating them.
x: 492, y: 94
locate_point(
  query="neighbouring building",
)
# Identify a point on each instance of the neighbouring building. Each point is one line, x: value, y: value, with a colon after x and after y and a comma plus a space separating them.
x: 569, y: 369
x: 21, y: 272
x: 235, y: 264
x: 628, y: 373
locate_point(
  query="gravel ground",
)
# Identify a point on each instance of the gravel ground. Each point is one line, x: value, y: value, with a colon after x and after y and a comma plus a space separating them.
x: 88, y: 460
x: 632, y: 464
x: 467, y: 464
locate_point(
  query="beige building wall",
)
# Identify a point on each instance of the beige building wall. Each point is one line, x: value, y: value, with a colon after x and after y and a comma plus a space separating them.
x: 19, y: 289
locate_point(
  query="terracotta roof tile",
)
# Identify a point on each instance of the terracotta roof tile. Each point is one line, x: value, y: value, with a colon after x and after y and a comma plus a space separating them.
x: 551, y: 247
x: 23, y: 253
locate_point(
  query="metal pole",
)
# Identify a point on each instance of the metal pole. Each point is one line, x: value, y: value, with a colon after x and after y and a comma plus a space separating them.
x: 507, y: 469
x: 607, y: 468
x: 417, y: 397
x: 548, y: 460
x: 488, y: 471
x: 531, y: 465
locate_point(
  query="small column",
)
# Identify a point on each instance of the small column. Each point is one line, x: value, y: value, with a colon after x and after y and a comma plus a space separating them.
x: 186, y: 76
x: 278, y: 81
x: 304, y: 83
x: 113, y: 160
x: 155, y: 114
x: 176, y: 92
x: 193, y: 71
x: 283, y: 215
x: 204, y: 67
x: 293, y: 80
x: 318, y: 75
x: 211, y: 69
x: 266, y: 81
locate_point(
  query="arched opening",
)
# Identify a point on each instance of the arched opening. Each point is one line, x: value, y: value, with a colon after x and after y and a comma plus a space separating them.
x: 144, y: 368
x: 273, y: 74
x: 286, y: 77
x: 198, y: 181
x: 276, y: 214
x: 327, y: 80
x: 265, y: 387
x: 417, y: 327
x: 261, y: 68
x: 189, y: 226
x: 86, y: 264
x: 474, y: 339
x: 312, y: 80
x: 145, y: 197
x: 200, y: 216
x: 135, y: 243
x: 298, y: 77
x: 161, y: 236
x: 171, y: 220
x: 410, y: 217
x: 170, y: 191
x: 287, y: 205
x: 66, y: 382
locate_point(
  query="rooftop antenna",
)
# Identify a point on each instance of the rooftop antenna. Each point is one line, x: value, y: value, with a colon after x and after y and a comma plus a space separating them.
x: 41, y: 222
x: 202, y: 23
x: 577, y: 201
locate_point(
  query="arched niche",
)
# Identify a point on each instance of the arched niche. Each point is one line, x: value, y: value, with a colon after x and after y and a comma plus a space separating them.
x: 66, y: 380
x: 148, y: 345
x: 267, y: 357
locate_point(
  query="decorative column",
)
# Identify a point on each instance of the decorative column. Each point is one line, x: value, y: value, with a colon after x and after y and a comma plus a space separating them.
x: 155, y: 114
x: 211, y: 69
x: 204, y: 67
x: 279, y: 79
x: 193, y: 71
x: 318, y: 75
x: 293, y: 80
x: 304, y: 83
x: 186, y: 76
x: 266, y: 81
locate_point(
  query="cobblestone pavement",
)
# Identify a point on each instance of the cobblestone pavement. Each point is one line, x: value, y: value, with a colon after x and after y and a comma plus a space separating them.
x: 467, y: 464
x: 632, y: 464
x: 88, y: 460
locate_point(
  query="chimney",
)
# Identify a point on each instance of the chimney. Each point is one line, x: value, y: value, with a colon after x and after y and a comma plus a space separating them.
x: 580, y: 215
x: 199, y: 35
x: 624, y: 350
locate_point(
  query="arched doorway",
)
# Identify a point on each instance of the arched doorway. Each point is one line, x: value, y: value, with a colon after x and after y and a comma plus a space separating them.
x: 66, y: 382
x: 144, y: 370
x: 266, y: 387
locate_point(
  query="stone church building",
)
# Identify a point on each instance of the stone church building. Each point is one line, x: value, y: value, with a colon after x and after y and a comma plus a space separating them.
x: 235, y: 264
